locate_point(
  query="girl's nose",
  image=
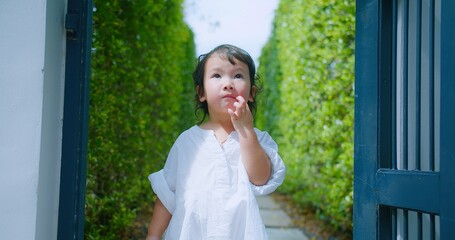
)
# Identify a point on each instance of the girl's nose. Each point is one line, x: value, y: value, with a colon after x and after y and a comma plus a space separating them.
x: 228, y: 85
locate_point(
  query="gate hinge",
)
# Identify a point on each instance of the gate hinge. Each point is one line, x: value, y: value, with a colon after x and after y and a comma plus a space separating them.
x: 72, y: 25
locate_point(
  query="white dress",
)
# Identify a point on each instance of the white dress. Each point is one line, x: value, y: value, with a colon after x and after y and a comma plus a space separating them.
x: 205, y: 187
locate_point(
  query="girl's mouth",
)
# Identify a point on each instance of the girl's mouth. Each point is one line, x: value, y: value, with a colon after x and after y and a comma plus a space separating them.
x: 230, y: 96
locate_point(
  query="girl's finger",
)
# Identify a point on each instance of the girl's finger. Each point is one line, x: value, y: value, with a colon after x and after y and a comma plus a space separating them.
x: 232, y: 114
x: 240, y: 99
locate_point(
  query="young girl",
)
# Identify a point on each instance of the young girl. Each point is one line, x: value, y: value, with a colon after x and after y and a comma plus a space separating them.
x: 207, y: 187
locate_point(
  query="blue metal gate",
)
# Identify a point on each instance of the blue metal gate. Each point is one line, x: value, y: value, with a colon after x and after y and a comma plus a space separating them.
x: 404, y: 184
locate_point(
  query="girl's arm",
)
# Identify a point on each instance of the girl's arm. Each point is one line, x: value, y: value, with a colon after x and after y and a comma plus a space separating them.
x: 255, y: 160
x: 160, y: 220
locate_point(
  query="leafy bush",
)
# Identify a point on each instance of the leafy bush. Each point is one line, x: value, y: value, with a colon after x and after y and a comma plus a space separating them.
x: 307, y: 68
x: 141, y: 98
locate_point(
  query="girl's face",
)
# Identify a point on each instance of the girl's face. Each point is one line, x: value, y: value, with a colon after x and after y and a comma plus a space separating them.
x: 223, y: 83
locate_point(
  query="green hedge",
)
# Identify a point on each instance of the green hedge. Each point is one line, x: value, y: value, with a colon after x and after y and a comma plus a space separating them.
x: 141, y: 98
x: 307, y: 68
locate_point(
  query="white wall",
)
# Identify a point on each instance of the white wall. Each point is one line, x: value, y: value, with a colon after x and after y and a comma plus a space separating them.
x: 31, y: 102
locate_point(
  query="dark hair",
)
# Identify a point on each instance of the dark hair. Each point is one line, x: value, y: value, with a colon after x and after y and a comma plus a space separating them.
x: 231, y: 52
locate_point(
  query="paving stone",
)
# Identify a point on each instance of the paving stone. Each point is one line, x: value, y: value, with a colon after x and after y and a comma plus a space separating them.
x: 267, y: 202
x: 275, y: 218
x: 278, y: 224
x: 285, y: 234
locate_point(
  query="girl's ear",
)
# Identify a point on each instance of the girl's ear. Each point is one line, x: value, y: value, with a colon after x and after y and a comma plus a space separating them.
x: 253, y: 94
x: 200, y: 93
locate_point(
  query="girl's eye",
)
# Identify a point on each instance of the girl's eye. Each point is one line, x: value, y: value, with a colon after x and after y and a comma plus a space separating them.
x: 239, y: 76
x: 216, y: 75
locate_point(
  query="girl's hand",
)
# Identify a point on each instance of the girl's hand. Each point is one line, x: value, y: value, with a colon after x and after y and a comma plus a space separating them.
x: 241, y: 116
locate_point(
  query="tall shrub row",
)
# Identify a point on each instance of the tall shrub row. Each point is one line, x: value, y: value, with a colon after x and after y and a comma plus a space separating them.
x: 141, y: 98
x: 307, y: 68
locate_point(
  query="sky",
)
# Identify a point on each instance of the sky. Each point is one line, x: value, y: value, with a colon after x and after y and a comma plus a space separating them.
x: 244, y: 23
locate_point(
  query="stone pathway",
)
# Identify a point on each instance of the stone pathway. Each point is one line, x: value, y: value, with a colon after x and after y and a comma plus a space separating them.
x: 277, y: 222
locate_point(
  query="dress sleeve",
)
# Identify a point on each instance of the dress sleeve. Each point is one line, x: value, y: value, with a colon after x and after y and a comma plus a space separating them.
x: 278, y: 168
x: 163, y: 181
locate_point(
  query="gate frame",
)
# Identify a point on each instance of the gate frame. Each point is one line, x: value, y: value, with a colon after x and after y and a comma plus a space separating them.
x: 78, y: 24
